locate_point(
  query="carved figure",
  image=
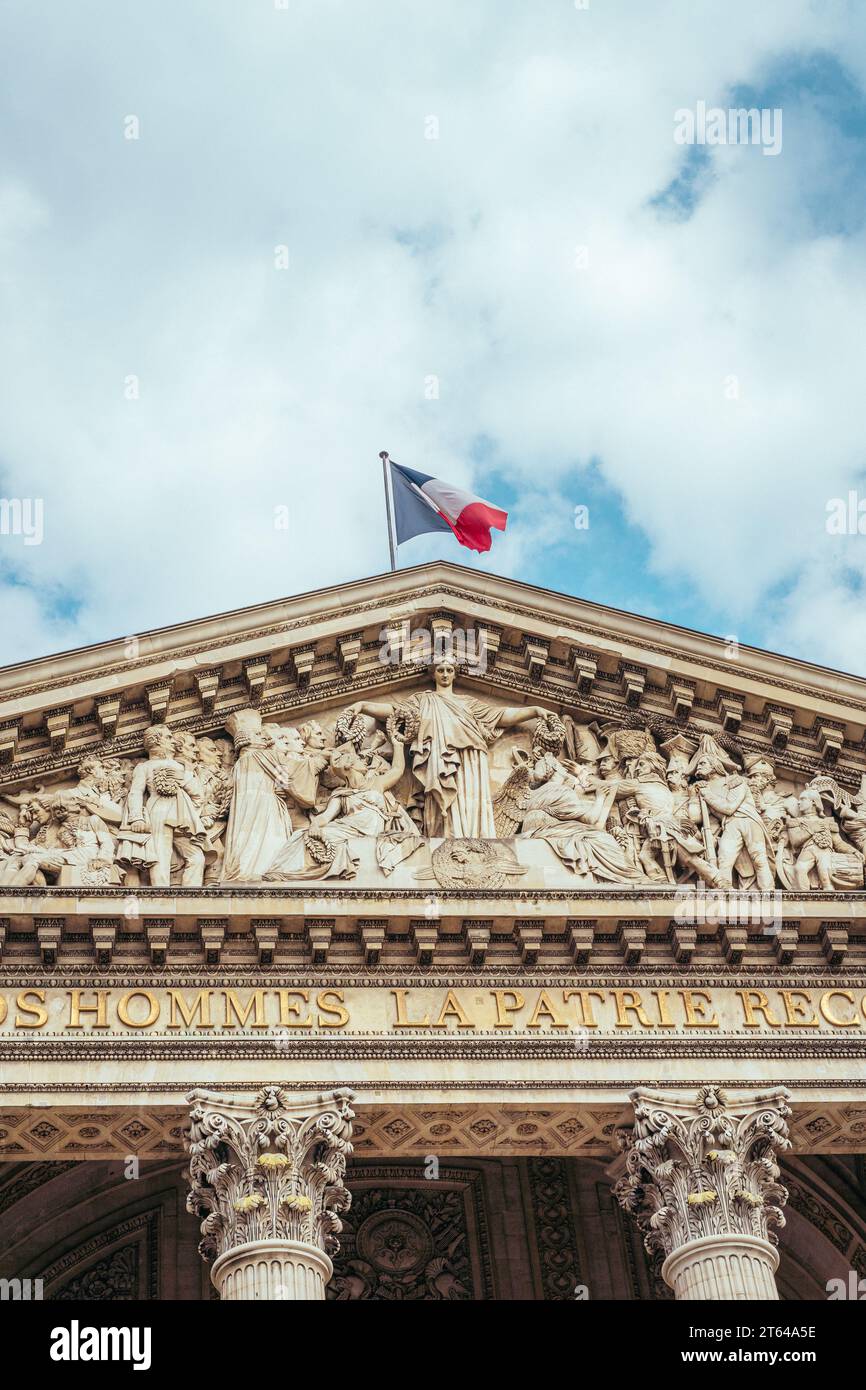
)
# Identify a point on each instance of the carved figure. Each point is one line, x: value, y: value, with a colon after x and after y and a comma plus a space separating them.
x: 17, y: 868
x: 452, y: 734
x: 660, y: 811
x: 364, y: 806
x: 721, y: 792
x: 162, y: 815
x: 853, y: 815
x: 259, y: 820
x: 568, y: 806
x: 822, y: 853
x: 58, y: 836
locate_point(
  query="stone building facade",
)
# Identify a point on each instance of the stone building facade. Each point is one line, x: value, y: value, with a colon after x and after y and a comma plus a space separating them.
x: 432, y: 937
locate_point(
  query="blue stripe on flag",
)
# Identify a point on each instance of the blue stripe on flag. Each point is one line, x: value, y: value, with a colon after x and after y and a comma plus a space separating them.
x: 414, y: 513
x: 419, y: 479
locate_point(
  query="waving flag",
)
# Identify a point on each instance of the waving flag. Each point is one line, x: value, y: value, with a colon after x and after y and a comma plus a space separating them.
x: 422, y: 504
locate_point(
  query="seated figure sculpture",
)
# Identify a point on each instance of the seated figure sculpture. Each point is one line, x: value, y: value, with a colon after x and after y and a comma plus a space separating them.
x: 566, y: 805
x: 363, y: 806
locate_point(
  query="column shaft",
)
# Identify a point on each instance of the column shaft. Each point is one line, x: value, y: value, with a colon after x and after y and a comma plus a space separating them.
x: 723, y: 1267
x: 274, y: 1270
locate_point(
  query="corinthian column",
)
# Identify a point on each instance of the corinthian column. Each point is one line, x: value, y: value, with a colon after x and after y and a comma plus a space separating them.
x: 267, y: 1184
x: 702, y: 1180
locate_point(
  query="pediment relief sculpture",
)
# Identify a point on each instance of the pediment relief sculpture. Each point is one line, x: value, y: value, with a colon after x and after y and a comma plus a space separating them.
x: 450, y: 738
x: 444, y: 785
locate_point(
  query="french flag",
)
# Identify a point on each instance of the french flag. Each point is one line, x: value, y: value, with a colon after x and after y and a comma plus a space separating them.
x: 422, y: 504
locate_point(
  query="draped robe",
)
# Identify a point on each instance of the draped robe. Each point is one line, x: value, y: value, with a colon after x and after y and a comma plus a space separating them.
x: 449, y: 761
x: 259, y: 819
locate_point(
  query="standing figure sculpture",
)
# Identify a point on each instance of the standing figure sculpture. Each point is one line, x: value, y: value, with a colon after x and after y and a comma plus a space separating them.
x: 162, y: 815
x: 452, y: 734
x: 259, y: 819
x: 216, y: 785
x: 720, y: 792
x: 302, y: 763
x: 775, y: 810
x: 274, y: 766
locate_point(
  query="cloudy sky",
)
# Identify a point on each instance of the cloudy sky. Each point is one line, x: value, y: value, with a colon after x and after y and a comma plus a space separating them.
x: 461, y: 232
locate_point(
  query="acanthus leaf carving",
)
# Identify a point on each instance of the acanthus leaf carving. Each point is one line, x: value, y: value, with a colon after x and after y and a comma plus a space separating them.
x: 270, y: 1171
x: 706, y: 1168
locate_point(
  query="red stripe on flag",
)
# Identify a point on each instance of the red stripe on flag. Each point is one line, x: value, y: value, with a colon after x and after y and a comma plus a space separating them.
x: 472, y: 527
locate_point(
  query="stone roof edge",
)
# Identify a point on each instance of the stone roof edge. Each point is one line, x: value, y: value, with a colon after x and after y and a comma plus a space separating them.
x: 287, y: 621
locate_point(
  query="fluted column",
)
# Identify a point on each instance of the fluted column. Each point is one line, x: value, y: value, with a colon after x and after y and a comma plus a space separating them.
x: 267, y: 1183
x: 702, y: 1181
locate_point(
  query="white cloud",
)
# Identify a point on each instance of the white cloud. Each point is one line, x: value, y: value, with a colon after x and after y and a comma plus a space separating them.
x: 261, y: 387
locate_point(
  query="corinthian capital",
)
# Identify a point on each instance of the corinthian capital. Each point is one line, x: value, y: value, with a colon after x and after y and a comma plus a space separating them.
x: 268, y: 1170
x: 704, y: 1168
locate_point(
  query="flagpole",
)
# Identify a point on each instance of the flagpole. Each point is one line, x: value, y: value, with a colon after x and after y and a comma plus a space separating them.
x: 392, y: 548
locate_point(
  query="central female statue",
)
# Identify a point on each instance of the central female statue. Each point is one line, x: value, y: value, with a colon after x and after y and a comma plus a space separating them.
x: 449, y: 753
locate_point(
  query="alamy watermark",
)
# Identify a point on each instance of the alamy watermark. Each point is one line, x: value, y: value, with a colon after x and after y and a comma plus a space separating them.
x: 732, y: 906
x: 77, y: 1343
x: 466, y: 648
x: 22, y: 516
x: 853, y: 1288
x: 20, y: 1289
x: 846, y: 516
x: 737, y: 126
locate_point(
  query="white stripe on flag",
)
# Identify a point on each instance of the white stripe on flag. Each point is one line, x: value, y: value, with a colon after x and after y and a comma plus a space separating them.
x: 419, y: 492
x: 451, y: 501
